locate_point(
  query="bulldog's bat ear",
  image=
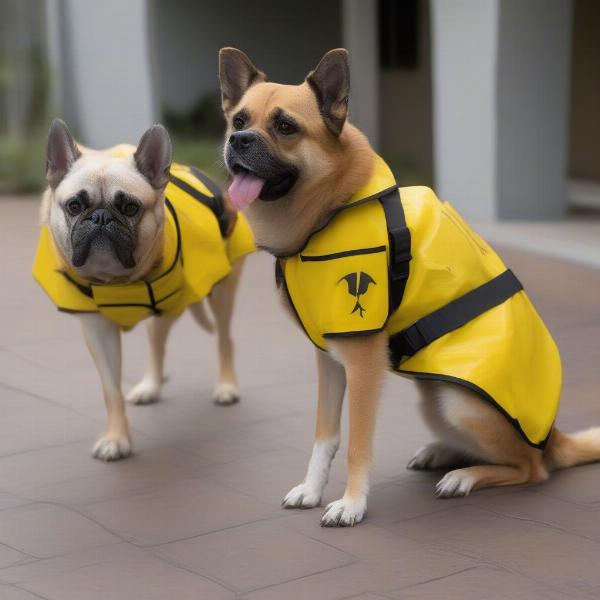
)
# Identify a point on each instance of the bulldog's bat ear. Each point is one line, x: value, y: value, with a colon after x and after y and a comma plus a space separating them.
x: 153, y: 156
x: 330, y: 82
x: 61, y: 152
x: 236, y: 74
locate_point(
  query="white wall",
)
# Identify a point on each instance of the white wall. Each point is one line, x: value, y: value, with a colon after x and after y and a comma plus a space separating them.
x: 360, y: 34
x: 533, y: 108
x: 500, y: 92
x: 100, y: 49
x: 464, y: 51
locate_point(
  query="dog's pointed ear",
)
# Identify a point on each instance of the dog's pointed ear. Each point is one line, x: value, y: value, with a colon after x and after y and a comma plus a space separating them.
x: 236, y: 75
x: 61, y: 152
x: 330, y: 82
x: 153, y: 156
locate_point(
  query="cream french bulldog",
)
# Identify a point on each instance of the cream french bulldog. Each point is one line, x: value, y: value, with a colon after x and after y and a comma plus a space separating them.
x: 116, y: 226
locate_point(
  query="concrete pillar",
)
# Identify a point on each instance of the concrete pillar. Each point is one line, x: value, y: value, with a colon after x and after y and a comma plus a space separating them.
x: 534, y: 59
x: 360, y: 36
x: 464, y: 41
x: 101, y: 55
x: 500, y: 104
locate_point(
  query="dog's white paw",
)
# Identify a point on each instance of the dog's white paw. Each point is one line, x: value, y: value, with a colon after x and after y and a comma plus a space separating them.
x: 302, y: 496
x: 110, y: 447
x: 144, y: 392
x: 226, y: 394
x: 455, y: 484
x: 344, y: 513
x: 432, y: 456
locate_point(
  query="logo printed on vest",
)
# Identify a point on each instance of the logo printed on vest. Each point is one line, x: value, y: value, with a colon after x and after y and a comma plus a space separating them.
x: 358, y: 284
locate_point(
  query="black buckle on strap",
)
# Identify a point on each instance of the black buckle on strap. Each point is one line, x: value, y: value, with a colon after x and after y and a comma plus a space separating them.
x: 453, y: 315
x: 412, y: 340
x: 399, y: 249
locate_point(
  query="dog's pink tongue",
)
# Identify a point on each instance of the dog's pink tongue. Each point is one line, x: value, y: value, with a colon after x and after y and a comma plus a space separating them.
x: 244, y: 189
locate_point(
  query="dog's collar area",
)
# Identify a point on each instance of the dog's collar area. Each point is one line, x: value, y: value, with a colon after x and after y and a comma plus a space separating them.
x: 379, y: 185
x: 352, y: 203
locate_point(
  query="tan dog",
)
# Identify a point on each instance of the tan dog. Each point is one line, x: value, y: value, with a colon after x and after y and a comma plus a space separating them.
x: 105, y: 224
x: 295, y: 160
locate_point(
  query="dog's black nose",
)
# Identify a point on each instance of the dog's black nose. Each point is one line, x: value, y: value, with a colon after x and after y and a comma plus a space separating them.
x: 101, y: 216
x: 242, y: 140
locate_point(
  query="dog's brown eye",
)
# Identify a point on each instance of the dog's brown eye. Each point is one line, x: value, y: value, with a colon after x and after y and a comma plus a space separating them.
x: 74, y: 207
x: 238, y: 123
x: 286, y: 128
x: 129, y: 209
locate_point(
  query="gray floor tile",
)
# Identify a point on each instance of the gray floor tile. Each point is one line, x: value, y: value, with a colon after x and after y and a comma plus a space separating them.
x: 478, y: 583
x: 372, y: 544
x: 267, y: 477
x: 43, y: 530
x: 10, y: 556
x: 532, y: 548
x: 579, y: 485
x: 176, y: 511
x: 30, y: 423
x: 13, y: 593
x: 379, y: 576
x: 68, y: 474
x: 537, y: 507
x: 264, y: 554
x: 8, y: 501
x: 34, y: 569
x: 129, y: 575
x: 368, y: 596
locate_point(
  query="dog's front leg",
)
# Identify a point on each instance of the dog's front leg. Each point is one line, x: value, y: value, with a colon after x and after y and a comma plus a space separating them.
x: 221, y: 301
x: 332, y: 384
x: 103, y: 339
x: 365, y: 360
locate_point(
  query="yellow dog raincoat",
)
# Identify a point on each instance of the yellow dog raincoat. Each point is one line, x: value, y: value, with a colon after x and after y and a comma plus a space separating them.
x: 196, y: 257
x: 401, y: 260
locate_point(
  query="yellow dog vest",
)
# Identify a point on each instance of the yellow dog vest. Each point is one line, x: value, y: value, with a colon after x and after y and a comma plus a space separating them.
x: 409, y: 264
x: 196, y: 256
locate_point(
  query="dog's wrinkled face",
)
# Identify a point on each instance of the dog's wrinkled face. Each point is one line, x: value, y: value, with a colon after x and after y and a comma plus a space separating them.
x: 106, y: 213
x: 280, y: 137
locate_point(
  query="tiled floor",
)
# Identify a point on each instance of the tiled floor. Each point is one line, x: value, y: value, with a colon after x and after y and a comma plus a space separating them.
x: 195, y: 513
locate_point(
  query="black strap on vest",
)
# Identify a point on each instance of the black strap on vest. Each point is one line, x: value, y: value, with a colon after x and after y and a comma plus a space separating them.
x: 399, y: 240
x: 216, y: 204
x: 279, y: 277
x: 454, y: 315
x: 86, y: 290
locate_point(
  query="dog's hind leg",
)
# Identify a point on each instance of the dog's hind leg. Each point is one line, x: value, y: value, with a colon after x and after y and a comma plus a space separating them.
x: 332, y: 384
x: 103, y: 338
x: 147, y: 390
x: 436, y: 455
x: 221, y: 301
x: 461, y: 482
x: 477, y: 432
x: 450, y: 450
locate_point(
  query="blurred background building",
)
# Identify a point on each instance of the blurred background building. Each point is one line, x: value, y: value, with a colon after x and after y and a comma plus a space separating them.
x: 495, y: 102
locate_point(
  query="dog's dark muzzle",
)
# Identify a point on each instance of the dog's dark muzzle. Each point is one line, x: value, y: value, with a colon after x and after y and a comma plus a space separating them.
x: 101, y: 228
x: 247, y: 151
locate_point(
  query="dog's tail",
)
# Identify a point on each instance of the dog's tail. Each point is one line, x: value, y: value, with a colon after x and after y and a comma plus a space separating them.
x: 201, y: 317
x: 570, y: 449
